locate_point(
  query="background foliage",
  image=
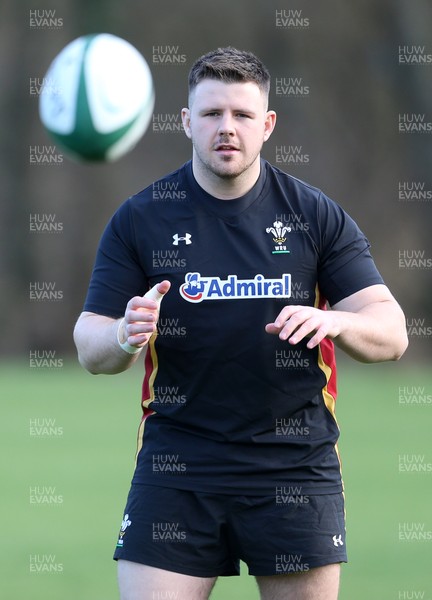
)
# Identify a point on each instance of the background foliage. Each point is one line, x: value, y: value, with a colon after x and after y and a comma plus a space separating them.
x: 348, y: 57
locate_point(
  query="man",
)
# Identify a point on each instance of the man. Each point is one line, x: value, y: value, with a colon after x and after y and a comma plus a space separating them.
x: 237, y: 450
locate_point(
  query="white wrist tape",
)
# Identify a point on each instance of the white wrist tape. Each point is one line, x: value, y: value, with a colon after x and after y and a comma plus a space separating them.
x: 124, y: 345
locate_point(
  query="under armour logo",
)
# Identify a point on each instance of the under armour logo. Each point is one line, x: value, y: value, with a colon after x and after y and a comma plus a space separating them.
x: 337, y: 540
x: 186, y: 239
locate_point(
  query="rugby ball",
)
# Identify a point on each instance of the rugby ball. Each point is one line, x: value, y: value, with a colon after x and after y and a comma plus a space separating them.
x: 97, y: 97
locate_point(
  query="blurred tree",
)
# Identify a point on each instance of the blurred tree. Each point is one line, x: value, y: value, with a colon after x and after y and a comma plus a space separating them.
x: 347, y: 55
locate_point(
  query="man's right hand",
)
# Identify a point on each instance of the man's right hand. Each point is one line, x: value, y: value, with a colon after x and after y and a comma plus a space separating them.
x: 141, y: 316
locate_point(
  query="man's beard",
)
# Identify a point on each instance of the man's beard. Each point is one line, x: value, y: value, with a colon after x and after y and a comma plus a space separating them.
x: 219, y: 171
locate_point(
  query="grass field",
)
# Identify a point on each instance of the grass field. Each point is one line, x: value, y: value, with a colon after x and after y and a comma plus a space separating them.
x: 68, y: 442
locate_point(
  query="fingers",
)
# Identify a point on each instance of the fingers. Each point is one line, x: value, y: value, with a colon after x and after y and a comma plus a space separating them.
x: 295, y: 323
x: 142, y: 313
x: 139, y: 323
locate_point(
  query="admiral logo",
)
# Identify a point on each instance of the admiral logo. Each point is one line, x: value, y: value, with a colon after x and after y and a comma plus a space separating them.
x: 197, y: 288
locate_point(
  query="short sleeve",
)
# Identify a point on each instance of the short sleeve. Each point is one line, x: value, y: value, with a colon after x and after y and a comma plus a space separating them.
x: 345, y: 264
x: 117, y: 274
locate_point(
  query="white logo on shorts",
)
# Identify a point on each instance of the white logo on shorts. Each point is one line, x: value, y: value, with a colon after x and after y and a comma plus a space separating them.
x: 337, y: 540
x: 125, y: 524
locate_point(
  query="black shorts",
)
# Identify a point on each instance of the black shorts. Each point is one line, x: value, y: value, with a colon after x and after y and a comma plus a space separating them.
x: 206, y: 535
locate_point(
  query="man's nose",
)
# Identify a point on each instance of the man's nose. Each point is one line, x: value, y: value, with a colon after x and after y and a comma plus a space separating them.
x: 226, y: 125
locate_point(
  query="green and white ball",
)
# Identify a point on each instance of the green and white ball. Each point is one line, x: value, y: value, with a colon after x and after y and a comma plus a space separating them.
x: 97, y: 97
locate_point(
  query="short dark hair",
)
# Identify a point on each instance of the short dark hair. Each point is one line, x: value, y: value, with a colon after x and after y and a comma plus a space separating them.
x: 230, y: 66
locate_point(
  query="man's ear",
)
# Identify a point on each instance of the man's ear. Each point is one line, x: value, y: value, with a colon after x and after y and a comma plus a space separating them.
x: 185, y: 115
x: 269, y: 124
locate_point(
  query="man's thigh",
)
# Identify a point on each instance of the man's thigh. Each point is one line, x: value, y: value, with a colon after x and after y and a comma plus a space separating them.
x: 141, y: 582
x: 321, y: 583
